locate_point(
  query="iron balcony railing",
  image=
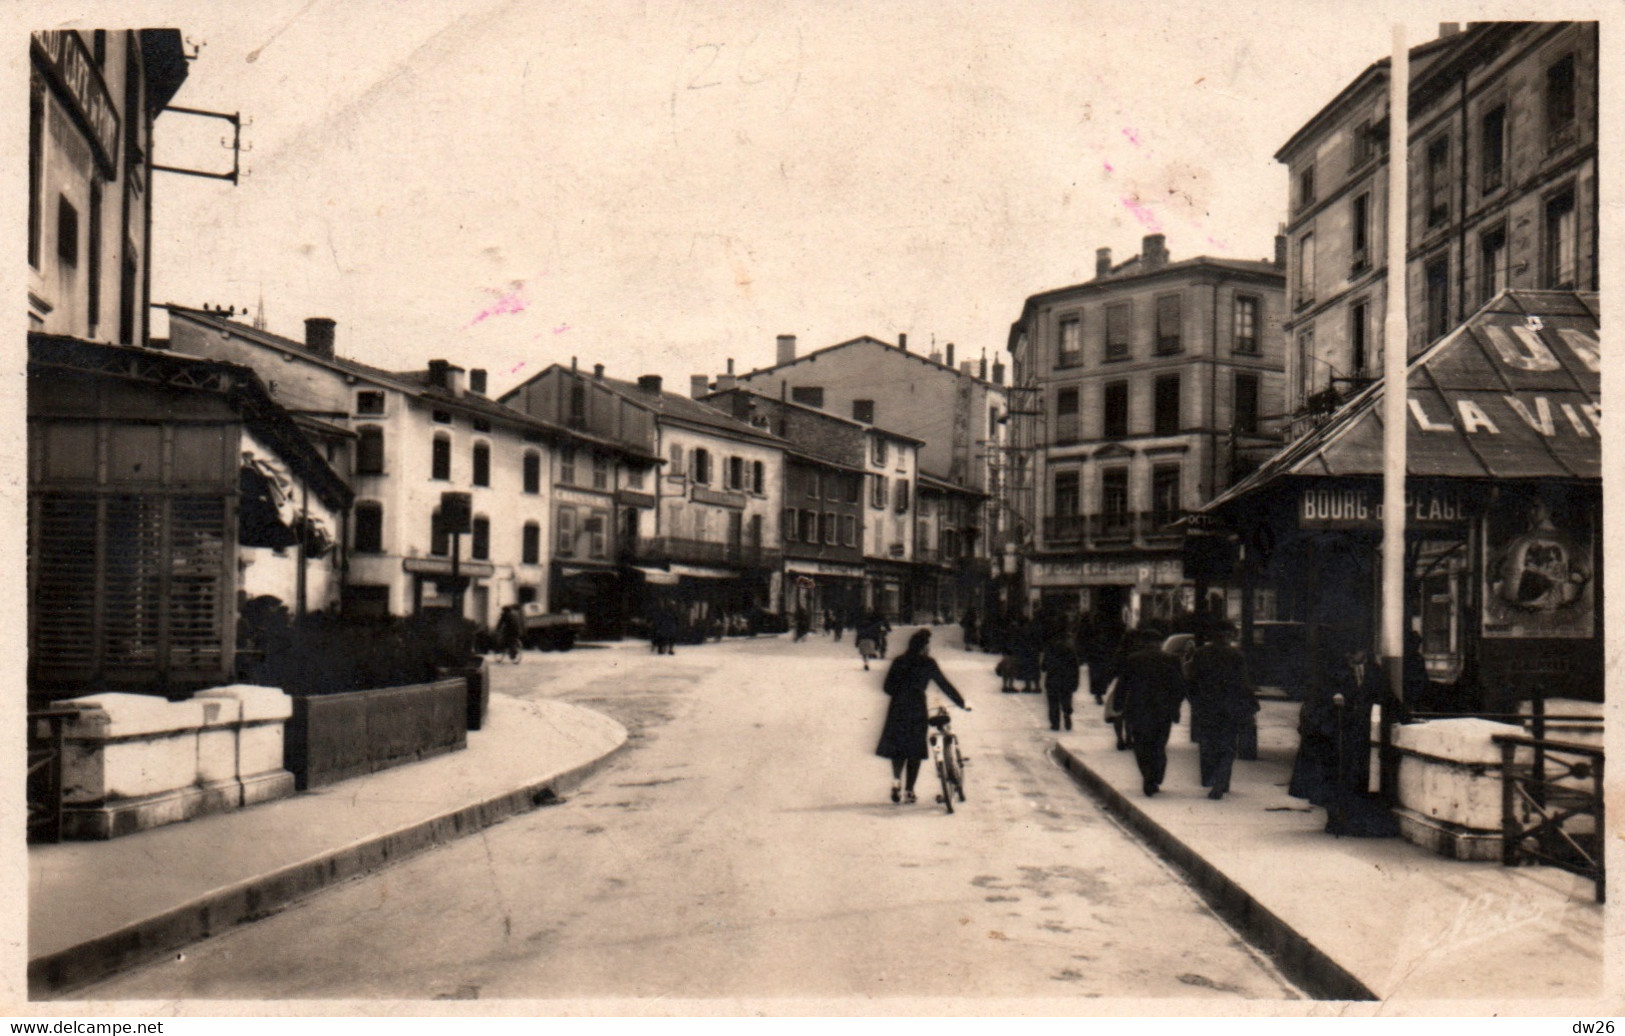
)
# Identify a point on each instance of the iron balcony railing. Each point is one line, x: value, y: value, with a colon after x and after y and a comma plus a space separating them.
x: 1145, y: 528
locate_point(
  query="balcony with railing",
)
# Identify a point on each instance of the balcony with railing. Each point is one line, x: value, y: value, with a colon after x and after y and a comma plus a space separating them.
x: 1064, y: 530
x: 1149, y: 529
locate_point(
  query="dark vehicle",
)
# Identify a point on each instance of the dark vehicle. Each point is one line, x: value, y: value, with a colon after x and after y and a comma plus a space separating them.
x: 550, y: 631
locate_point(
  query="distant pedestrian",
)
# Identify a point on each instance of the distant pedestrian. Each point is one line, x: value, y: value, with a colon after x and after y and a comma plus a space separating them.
x: 1060, y: 664
x: 868, y: 635
x: 903, y: 738
x: 837, y: 624
x: 665, y: 630
x: 1222, y: 705
x: 1150, y: 689
x: 1028, y: 651
x: 803, y: 624
x: 510, y: 632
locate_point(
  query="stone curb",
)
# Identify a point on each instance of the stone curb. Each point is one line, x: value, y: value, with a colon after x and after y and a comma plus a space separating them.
x: 145, y: 941
x: 1300, y: 960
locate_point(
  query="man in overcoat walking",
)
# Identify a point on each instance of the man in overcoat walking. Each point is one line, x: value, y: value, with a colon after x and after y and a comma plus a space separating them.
x: 1222, y: 704
x: 1150, y: 688
x: 1060, y: 663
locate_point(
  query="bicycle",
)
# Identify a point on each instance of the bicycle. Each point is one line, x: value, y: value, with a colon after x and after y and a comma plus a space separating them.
x: 945, y: 756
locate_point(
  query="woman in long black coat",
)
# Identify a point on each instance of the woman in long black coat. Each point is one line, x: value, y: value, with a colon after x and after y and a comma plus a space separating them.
x: 902, y: 740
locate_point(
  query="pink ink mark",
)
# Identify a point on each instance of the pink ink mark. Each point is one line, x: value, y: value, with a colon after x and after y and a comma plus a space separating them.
x: 561, y: 329
x: 517, y: 367
x: 1108, y: 166
x: 1143, y: 213
x: 506, y: 304
x: 1133, y: 137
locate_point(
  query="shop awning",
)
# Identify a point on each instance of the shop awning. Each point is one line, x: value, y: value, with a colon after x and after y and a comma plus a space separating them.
x: 1513, y: 393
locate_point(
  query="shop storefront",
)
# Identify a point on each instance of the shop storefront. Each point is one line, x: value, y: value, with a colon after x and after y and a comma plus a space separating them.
x: 889, y: 590
x: 823, y: 587
x: 1503, y: 562
x: 1139, y: 589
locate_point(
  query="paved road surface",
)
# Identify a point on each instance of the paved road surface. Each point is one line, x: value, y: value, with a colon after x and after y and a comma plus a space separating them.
x: 744, y: 846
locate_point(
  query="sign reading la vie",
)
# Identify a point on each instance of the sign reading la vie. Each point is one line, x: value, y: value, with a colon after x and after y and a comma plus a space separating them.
x: 1360, y: 507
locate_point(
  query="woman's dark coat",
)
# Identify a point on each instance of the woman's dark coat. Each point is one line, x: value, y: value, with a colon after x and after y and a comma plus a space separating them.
x: 903, y: 736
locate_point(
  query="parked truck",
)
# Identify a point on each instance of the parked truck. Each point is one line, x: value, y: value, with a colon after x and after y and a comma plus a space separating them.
x: 549, y: 631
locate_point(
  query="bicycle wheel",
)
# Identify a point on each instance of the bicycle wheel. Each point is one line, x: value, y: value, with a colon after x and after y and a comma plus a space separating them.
x: 956, y: 766
x: 947, y: 798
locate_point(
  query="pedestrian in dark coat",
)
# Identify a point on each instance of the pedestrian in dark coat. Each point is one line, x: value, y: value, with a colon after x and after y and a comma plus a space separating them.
x: 1334, y: 750
x: 903, y: 738
x: 510, y: 632
x: 1029, y: 649
x: 803, y: 623
x: 1222, y: 704
x: 1060, y: 664
x: 1150, y: 688
x: 1101, y: 644
x: 868, y: 634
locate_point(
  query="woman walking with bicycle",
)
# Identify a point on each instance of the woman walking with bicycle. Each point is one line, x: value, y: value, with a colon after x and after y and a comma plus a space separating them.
x: 903, y: 739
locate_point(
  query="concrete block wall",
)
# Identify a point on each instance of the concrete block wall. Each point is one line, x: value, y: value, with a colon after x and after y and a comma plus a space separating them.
x: 133, y: 761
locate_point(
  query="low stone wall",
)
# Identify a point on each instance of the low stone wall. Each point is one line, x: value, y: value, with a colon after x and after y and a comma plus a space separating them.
x: 1449, y: 786
x: 331, y: 737
x: 134, y: 761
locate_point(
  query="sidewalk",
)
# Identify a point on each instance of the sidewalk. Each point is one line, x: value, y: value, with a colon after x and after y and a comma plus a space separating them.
x: 97, y: 907
x: 1348, y: 918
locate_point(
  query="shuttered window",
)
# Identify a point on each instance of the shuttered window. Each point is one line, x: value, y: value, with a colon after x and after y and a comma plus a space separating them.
x: 130, y: 585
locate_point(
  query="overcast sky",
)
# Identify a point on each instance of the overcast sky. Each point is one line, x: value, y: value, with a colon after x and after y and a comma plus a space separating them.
x: 658, y: 187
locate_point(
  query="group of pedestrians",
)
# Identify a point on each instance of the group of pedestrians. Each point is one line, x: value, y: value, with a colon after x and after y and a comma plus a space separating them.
x: 1143, y: 688
x: 1148, y: 687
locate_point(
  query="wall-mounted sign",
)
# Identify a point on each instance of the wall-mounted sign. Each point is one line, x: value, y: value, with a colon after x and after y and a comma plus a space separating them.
x: 1360, y: 507
x: 73, y: 73
x: 1125, y: 572
x: 824, y: 568
x: 576, y: 496
x: 703, y: 495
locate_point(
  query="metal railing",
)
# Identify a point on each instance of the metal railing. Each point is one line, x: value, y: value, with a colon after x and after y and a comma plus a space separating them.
x: 1117, y: 527
x: 45, y: 773
x: 1541, y: 802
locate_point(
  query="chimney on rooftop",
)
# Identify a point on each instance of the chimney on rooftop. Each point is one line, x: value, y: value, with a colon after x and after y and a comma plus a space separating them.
x: 998, y: 372
x: 902, y: 341
x: 1449, y: 29
x: 649, y: 383
x: 787, y: 349
x: 319, y: 335
x: 1280, y: 247
x: 968, y: 367
x: 446, y: 375
x: 476, y: 380
x: 698, y: 385
x: 1103, y: 261
x: 950, y: 360
x: 982, y: 372
x: 1153, y: 252
x: 598, y: 371
x: 725, y: 382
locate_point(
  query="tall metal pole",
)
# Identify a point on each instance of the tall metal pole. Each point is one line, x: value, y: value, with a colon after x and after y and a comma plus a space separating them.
x: 1394, y: 416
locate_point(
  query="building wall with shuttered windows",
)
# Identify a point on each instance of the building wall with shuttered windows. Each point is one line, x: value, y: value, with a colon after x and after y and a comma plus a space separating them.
x: 133, y: 552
